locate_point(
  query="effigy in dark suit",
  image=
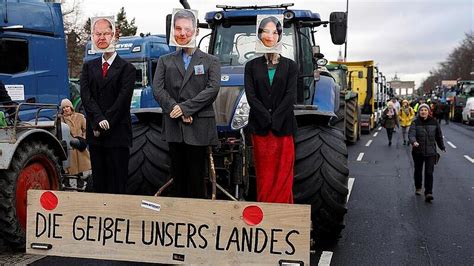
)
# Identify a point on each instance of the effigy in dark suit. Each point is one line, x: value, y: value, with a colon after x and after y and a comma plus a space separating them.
x: 107, y: 85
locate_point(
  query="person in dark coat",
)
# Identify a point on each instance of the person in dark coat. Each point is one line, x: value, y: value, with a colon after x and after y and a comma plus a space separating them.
x: 424, y: 134
x: 270, y: 87
x: 107, y: 85
x: 390, y: 120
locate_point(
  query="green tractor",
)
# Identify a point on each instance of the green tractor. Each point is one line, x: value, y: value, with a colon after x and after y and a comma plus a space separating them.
x: 348, y: 114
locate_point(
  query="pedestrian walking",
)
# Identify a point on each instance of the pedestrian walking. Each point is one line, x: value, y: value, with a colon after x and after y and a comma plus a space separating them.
x: 445, y: 106
x: 438, y: 111
x: 79, y: 158
x: 107, y: 85
x: 390, y: 120
x: 425, y: 133
x: 406, y: 117
x: 186, y: 84
x: 270, y: 86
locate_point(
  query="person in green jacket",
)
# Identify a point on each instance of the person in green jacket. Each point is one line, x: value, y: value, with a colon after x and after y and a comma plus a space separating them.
x: 390, y: 120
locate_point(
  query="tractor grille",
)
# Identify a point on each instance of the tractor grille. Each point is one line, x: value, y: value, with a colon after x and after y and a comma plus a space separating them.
x: 225, y: 104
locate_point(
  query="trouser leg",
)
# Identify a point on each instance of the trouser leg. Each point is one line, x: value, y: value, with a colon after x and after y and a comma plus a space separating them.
x: 98, y: 168
x: 429, y: 169
x: 418, y: 173
x: 117, y: 169
x: 405, y: 133
x: 177, y: 171
x: 196, y: 163
x: 389, y: 134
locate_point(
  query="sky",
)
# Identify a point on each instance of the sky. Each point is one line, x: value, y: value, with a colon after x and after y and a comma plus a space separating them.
x: 406, y: 37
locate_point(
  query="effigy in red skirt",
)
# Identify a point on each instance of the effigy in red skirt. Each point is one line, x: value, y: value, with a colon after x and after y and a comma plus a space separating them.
x: 274, y: 159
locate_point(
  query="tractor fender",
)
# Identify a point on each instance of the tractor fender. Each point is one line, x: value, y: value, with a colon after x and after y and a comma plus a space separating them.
x: 7, y: 150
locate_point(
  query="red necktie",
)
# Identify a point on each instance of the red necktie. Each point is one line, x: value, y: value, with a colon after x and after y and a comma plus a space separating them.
x: 105, y: 67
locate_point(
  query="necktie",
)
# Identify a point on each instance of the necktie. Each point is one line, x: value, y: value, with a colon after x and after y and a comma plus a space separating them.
x: 105, y: 67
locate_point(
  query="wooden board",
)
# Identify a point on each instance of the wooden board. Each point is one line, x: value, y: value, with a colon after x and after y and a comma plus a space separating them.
x: 166, y: 230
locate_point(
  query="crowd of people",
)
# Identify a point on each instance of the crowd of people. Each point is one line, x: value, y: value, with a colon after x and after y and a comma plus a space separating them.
x: 421, y: 129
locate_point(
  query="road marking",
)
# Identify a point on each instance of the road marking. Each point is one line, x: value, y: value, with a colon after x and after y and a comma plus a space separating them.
x: 350, y: 184
x: 451, y: 144
x: 368, y: 143
x: 469, y: 158
x: 380, y: 128
x: 375, y: 134
x: 325, y: 259
x: 359, y: 158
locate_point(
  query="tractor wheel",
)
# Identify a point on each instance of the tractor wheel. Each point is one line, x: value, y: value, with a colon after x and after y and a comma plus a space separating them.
x: 34, y: 166
x: 149, y: 163
x: 352, y: 121
x: 321, y: 178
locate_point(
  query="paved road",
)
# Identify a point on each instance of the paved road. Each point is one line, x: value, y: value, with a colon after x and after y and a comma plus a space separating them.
x: 386, y: 223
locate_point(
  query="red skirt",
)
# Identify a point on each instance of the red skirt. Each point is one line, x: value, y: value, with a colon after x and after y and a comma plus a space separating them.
x: 274, y: 159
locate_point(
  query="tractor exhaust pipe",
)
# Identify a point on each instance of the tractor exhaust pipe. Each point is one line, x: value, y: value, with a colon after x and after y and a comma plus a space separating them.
x: 185, y: 4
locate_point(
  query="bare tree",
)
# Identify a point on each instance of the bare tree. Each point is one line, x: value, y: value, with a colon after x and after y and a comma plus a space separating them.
x: 76, y: 37
x: 458, y: 64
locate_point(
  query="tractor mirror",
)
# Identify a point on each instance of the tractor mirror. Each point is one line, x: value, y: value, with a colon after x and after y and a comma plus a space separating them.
x: 338, y: 27
x: 360, y: 74
x: 168, y: 28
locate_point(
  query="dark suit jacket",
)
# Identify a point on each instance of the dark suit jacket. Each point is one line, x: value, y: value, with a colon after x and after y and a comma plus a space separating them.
x: 108, y: 98
x: 192, y: 92
x: 271, y: 107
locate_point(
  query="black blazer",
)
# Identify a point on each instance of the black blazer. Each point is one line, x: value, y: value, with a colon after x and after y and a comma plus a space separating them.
x: 108, y: 98
x: 271, y: 107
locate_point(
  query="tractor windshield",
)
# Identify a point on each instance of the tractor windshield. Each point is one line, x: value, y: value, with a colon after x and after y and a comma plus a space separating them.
x: 235, y: 44
x: 340, y: 77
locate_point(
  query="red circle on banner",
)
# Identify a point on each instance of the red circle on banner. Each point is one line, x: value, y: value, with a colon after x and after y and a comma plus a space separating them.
x: 252, y: 215
x: 49, y: 200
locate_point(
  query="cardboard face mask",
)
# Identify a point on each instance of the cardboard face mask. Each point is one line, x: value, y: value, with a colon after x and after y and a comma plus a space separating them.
x: 103, y: 34
x: 269, y: 34
x: 183, y: 28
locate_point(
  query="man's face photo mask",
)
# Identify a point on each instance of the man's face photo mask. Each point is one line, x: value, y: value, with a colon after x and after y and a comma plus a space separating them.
x: 269, y: 33
x: 103, y: 34
x: 184, y: 28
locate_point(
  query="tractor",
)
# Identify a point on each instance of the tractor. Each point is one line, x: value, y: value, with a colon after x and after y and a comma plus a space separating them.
x: 321, y: 172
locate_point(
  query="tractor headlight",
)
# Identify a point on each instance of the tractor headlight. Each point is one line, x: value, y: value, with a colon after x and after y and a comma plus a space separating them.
x: 241, y: 114
x: 218, y: 16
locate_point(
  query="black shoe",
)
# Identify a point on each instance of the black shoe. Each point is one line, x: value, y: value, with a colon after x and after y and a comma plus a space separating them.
x: 404, y: 142
x: 389, y: 143
x: 429, y: 197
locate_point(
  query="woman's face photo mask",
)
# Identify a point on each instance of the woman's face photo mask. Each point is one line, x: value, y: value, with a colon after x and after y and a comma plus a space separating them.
x: 269, y: 33
x: 184, y: 28
x: 103, y: 34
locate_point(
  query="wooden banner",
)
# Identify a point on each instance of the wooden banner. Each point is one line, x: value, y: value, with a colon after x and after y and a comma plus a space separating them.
x: 166, y: 230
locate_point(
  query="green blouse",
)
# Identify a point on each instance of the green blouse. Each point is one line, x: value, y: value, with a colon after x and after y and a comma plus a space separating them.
x: 271, y: 74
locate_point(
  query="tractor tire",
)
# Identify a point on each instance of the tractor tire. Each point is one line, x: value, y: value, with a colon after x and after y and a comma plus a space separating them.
x: 352, y: 121
x: 148, y: 168
x: 321, y: 178
x: 34, y: 166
